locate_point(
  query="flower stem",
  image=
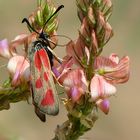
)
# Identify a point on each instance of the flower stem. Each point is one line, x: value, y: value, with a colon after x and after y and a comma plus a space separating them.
x: 81, y: 118
x: 9, y: 94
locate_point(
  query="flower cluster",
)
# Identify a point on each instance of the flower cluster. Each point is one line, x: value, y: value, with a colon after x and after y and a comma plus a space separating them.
x: 87, y: 77
x: 94, y: 76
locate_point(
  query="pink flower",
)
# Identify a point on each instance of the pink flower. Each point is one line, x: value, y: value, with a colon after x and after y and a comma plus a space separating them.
x: 7, y: 50
x: 18, y: 66
x: 108, y: 71
x: 100, y: 88
x: 75, y: 83
x: 113, y: 69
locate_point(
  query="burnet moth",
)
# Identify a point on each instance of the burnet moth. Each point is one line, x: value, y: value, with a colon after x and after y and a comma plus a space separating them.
x: 44, y: 94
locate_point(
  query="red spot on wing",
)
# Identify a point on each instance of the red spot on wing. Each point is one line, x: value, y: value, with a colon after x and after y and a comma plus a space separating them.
x: 38, y: 83
x: 46, y: 76
x: 44, y: 57
x: 48, y: 98
x: 37, y: 61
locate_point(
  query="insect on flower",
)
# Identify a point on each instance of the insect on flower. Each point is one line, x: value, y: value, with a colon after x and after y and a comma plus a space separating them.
x: 43, y: 90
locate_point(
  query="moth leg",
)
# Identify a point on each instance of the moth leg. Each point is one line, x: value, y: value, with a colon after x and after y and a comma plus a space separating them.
x: 55, y: 56
x: 55, y: 79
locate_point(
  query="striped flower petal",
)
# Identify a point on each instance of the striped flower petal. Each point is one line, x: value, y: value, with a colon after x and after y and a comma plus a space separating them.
x: 114, y: 70
x: 100, y: 88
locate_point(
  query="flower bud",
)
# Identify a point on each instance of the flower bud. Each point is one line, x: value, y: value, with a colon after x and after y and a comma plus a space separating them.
x: 103, y: 105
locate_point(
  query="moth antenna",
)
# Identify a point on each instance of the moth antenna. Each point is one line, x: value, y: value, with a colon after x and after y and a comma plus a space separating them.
x: 59, y: 8
x: 27, y: 22
x: 62, y: 36
x: 61, y: 45
x: 51, y: 41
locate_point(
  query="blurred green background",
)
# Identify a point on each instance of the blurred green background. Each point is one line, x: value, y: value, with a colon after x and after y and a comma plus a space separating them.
x: 123, y: 121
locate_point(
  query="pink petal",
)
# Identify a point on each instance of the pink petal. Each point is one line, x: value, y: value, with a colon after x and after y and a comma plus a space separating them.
x: 75, y: 94
x: 75, y: 77
x: 66, y: 64
x: 114, y: 70
x: 75, y: 83
x: 100, y: 88
x: 104, y: 63
x: 76, y: 50
x: 71, y: 52
x: 19, y: 40
x: 22, y: 39
x: 4, y: 49
x: 18, y: 67
x: 61, y: 70
x: 114, y: 58
x: 80, y: 47
x: 120, y: 73
x: 103, y: 105
x: 70, y: 48
x: 56, y: 72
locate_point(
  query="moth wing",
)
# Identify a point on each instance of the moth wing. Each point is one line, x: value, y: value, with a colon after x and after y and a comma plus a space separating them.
x: 44, y: 91
x: 40, y: 114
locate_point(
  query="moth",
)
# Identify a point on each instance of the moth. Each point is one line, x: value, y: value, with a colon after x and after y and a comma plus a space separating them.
x: 44, y: 94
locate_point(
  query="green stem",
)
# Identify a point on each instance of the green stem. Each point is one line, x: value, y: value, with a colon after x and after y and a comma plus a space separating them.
x: 77, y: 125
